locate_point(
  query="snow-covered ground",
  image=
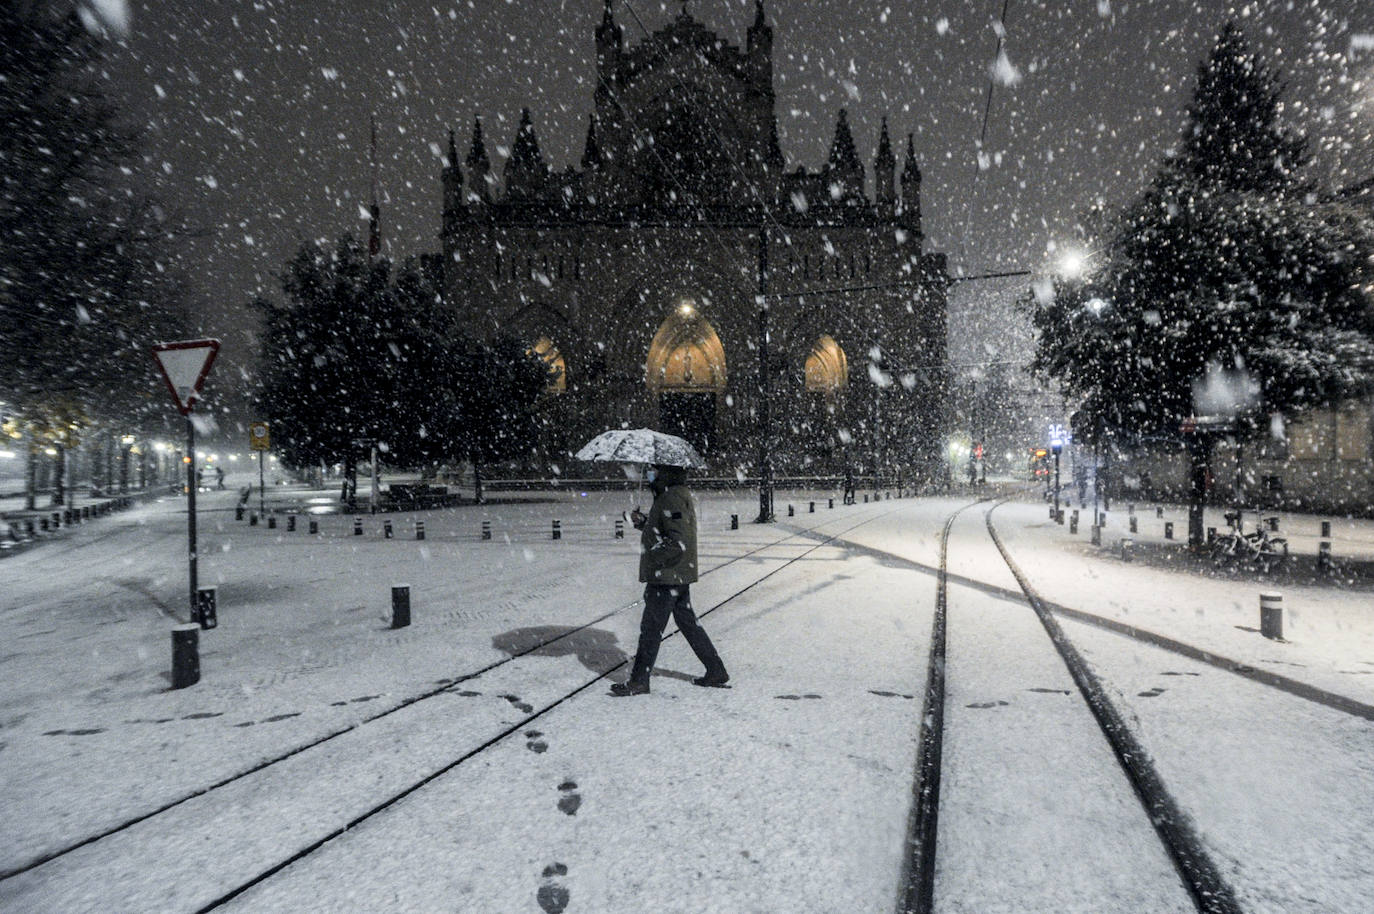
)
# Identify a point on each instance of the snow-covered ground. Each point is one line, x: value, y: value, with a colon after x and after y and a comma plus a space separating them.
x: 524, y: 787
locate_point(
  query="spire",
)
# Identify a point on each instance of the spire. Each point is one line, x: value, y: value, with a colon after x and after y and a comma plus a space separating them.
x: 608, y: 32
x: 591, y: 152
x: 911, y: 188
x: 479, y: 166
x: 843, y: 155
x: 525, y: 173
x: 453, y: 179
x: 374, y: 211
x: 884, y: 169
x: 759, y: 49
x: 844, y: 171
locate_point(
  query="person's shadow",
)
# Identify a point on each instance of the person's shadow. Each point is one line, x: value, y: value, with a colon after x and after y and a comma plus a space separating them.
x: 595, y: 648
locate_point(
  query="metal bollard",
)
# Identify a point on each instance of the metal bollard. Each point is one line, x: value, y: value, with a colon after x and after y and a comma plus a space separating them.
x: 1059, y: 517
x: 1073, y: 523
x: 620, y: 528
x: 1102, y: 518
x: 1126, y: 545
x: 386, y: 529
x: 400, y: 605
x: 1159, y: 511
x: 557, y: 532
x: 865, y: 498
x: 734, y: 521
x: 185, y: 655
x: 205, y: 607
x: 1134, y: 525
x: 314, y: 526
x: 419, y: 529
x: 271, y: 522
x: 1271, y: 615
x: 1324, y: 556
x: 1326, y: 529
x: 486, y: 529
x: 790, y: 512
x: 832, y: 503
x: 887, y: 496
x: 290, y: 523
x: 56, y: 520
x: 1097, y: 535
x: 357, y: 526
x: 1168, y: 529
x: 1273, y: 521
x: 812, y: 508
x: 253, y: 519
x: 43, y: 524
x: 1051, y: 512
x: 1130, y: 508
x: 238, y: 512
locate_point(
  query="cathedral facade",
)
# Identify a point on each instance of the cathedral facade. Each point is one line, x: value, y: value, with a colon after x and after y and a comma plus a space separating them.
x: 683, y: 278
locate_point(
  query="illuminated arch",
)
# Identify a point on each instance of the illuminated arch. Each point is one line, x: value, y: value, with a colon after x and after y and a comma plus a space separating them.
x: 827, y: 369
x: 549, y: 354
x: 685, y: 355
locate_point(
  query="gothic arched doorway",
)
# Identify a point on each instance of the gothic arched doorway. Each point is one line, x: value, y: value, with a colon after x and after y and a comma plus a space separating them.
x: 686, y: 372
x: 827, y: 368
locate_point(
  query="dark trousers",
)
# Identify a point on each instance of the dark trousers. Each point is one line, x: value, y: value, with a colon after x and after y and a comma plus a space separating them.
x: 660, y: 602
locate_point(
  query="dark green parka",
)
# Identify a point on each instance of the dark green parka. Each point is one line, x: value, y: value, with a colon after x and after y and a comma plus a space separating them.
x: 668, y: 542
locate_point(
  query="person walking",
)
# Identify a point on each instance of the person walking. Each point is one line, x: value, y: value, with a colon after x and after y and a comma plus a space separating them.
x: 668, y: 568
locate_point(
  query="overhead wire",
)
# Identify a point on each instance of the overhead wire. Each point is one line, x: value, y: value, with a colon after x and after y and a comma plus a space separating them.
x: 983, y: 132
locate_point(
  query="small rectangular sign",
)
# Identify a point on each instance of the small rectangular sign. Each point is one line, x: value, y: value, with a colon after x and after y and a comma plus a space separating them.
x: 259, y: 436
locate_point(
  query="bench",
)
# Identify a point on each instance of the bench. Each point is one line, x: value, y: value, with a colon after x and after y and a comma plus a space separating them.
x: 410, y: 496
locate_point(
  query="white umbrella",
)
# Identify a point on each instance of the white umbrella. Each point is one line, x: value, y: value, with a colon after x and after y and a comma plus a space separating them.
x: 640, y: 445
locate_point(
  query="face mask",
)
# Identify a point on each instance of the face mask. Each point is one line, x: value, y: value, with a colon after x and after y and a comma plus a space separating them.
x: 651, y: 475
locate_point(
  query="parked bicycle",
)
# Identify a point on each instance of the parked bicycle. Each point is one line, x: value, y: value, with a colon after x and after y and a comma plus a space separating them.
x: 1258, y: 550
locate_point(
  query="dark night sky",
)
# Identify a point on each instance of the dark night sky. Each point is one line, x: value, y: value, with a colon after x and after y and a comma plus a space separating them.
x: 256, y: 113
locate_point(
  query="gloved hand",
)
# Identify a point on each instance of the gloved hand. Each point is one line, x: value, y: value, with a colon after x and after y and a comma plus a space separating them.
x: 638, y: 518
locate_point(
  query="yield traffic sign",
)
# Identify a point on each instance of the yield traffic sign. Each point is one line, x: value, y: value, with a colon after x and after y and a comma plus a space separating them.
x: 185, y: 365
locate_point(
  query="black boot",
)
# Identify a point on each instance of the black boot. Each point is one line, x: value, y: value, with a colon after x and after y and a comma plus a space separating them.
x: 629, y: 687
x: 713, y: 678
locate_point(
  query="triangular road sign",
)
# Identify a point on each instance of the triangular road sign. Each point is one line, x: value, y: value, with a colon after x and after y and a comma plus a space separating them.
x: 185, y: 365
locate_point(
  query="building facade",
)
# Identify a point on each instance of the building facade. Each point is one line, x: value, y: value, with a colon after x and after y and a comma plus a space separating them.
x: 639, y: 275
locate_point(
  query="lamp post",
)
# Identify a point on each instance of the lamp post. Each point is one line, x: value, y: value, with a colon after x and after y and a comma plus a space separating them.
x: 764, y: 418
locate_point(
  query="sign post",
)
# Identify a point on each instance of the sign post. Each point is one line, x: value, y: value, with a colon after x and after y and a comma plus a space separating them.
x: 260, y: 440
x: 185, y: 366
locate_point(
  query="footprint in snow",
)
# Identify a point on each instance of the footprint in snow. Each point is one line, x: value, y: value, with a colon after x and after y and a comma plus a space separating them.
x: 553, y: 895
x: 1050, y: 691
x: 535, y: 744
x: 987, y: 704
x: 518, y: 704
x: 885, y: 694
x: 571, y: 800
x: 1152, y: 693
x: 1176, y: 673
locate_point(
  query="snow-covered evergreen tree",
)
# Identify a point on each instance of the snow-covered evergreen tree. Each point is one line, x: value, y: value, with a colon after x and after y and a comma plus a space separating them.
x: 1228, y: 265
